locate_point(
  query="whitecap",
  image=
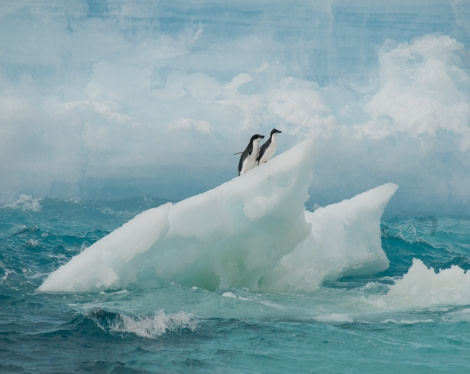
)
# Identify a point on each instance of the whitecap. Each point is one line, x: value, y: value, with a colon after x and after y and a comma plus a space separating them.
x: 155, y: 325
x: 25, y: 203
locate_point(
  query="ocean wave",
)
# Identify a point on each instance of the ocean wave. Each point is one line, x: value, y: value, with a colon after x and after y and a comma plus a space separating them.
x: 146, y: 326
x: 25, y: 203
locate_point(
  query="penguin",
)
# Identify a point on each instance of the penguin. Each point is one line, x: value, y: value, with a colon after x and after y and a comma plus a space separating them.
x: 249, y: 155
x: 267, y: 150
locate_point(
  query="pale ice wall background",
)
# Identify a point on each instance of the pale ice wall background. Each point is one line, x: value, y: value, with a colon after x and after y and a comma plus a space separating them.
x: 121, y: 98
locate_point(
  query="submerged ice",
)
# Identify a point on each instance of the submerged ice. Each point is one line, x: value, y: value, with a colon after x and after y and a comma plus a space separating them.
x: 251, y: 232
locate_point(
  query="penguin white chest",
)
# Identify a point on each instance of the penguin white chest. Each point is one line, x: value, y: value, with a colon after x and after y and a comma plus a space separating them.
x: 250, y: 161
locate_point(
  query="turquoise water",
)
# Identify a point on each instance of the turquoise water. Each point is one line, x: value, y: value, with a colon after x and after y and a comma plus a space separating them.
x: 351, y: 325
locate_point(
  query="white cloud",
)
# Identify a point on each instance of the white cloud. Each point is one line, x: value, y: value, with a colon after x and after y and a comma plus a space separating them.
x: 425, y: 90
x: 190, y: 123
x: 302, y: 106
x: 103, y: 109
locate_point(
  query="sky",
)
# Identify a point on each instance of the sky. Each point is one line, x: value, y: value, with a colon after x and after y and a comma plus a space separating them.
x: 108, y: 99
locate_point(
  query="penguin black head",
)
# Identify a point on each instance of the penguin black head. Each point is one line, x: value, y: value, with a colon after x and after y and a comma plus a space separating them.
x: 256, y: 136
x: 274, y: 131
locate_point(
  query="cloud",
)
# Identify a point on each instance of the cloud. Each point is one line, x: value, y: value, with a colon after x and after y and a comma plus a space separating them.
x: 302, y: 105
x: 190, y: 123
x: 103, y: 109
x: 425, y: 90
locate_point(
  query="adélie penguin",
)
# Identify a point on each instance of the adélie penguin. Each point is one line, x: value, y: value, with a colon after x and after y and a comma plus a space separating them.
x: 267, y: 150
x: 249, y: 155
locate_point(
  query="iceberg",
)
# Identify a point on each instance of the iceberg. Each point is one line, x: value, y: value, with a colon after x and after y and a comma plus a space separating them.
x: 251, y: 232
x: 423, y: 287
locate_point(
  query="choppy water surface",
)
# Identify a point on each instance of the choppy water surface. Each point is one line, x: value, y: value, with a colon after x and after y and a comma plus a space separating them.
x: 356, y: 323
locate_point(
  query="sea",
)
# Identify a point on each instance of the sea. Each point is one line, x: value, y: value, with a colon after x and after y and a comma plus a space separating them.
x: 414, y: 317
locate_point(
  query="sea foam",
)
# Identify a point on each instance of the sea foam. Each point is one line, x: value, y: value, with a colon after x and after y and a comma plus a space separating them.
x: 25, y: 203
x: 251, y: 232
x: 148, y: 326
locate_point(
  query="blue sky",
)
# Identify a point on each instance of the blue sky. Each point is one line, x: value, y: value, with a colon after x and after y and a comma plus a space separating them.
x: 100, y: 99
